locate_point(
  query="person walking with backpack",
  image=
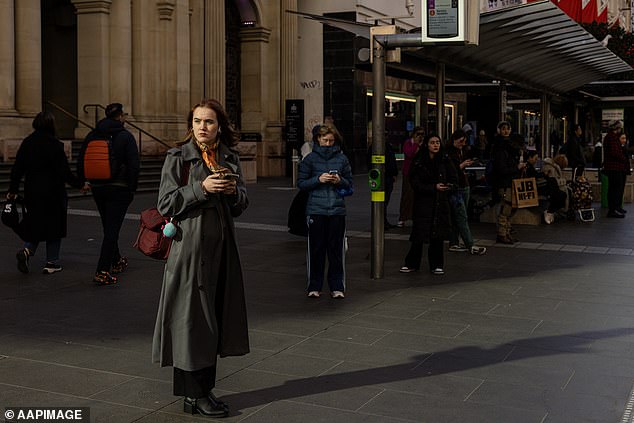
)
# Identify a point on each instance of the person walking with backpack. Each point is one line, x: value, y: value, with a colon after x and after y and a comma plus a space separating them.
x: 42, y: 163
x: 113, y: 182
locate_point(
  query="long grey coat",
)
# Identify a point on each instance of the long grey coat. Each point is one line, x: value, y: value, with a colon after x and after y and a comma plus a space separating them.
x: 202, y: 312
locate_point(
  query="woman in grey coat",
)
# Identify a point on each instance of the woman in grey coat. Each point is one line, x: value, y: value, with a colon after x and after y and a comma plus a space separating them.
x: 202, y: 312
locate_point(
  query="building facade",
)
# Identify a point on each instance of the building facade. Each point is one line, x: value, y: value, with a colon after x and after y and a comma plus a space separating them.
x: 158, y: 58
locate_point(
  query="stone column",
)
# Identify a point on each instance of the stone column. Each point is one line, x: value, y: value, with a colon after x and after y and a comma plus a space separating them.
x: 215, y: 79
x: 288, y: 51
x: 214, y: 50
x: 197, y: 58
x: 28, y: 56
x: 182, y: 62
x: 145, y: 58
x: 93, y: 56
x: 167, y: 57
x: 121, y: 54
x: 254, y: 82
x: 7, y: 56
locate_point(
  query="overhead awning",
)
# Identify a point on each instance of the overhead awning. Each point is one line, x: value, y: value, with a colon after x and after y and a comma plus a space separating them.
x: 536, y: 46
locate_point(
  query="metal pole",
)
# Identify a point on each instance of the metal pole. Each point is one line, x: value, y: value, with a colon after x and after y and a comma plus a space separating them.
x: 503, y: 101
x: 545, y: 125
x: 378, y: 161
x: 440, y: 101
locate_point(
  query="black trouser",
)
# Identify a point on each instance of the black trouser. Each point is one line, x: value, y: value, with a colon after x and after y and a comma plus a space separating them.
x: 112, y: 203
x: 194, y: 384
x: 435, y: 254
x: 557, y: 200
x: 326, y: 238
x: 616, y: 186
x: 389, y: 188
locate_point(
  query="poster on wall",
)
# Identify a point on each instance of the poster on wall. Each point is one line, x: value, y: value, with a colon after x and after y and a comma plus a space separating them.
x: 294, y: 127
x: 608, y: 115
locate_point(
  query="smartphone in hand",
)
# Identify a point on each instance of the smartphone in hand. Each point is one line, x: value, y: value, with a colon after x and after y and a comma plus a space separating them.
x: 230, y: 176
x: 333, y: 172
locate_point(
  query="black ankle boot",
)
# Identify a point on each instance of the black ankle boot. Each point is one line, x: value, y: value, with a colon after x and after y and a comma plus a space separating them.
x: 206, y: 407
x: 217, y: 402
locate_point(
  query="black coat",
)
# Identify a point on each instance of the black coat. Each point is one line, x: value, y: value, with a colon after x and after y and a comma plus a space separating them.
x: 505, y: 160
x: 432, y: 215
x: 43, y: 165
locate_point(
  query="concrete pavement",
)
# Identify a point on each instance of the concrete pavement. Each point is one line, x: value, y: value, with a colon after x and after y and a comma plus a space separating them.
x: 542, y: 331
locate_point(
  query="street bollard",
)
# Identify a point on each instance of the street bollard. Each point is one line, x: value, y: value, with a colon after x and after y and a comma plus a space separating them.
x: 295, y: 161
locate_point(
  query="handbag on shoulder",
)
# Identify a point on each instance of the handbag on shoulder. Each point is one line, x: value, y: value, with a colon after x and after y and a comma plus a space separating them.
x: 152, y: 240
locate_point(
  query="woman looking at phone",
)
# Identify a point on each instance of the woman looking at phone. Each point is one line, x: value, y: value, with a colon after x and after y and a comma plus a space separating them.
x: 202, y: 312
x: 432, y: 176
x: 321, y: 173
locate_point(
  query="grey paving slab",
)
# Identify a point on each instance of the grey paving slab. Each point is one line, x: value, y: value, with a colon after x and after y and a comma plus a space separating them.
x: 292, y: 412
x: 347, y: 351
x: 345, y: 392
x: 295, y: 365
x: 57, y: 378
x: 422, y: 408
x: 414, y: 326
x: 355, y: 334
x: 547, y: 402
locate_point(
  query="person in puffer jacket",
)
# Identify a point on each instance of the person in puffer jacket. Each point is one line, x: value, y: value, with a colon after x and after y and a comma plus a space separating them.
x: 325, y: 173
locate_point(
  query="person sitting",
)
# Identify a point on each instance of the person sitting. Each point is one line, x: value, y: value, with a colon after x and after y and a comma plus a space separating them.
x: 546, y: 186
x: 553, y: 168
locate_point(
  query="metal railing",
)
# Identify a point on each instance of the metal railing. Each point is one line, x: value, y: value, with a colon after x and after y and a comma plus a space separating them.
x: 138, y: 128
x: 69, y: 114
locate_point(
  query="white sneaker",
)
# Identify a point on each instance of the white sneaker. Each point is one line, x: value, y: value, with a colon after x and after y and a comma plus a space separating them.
x: 478, y: 251
x: 314, y: 294
x: 548, y: 217
x: 438, y: 271
x: 458, y: 248
x: 406, y: 269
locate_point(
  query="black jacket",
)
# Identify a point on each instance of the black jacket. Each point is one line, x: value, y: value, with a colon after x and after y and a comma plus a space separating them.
x: 125, y: 154
x: 43, y: 165
x: 431, y: 216
x: 505, y: 160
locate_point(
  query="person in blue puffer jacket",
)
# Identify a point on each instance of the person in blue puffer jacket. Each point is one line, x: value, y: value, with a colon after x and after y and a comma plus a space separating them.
x: 323, y: 173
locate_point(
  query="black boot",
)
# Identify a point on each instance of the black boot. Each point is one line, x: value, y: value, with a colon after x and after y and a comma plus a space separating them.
x: 206, y: 406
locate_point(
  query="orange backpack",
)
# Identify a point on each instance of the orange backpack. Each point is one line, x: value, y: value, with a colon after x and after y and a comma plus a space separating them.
x: 98, y: 160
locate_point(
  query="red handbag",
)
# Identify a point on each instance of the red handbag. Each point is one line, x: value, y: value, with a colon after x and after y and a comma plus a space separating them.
x: 150, y: 240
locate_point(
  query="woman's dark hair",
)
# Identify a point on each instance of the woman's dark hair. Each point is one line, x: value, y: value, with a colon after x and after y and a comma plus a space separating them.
x: 418, y: 130
x: 458, y: 134
x: 227, y: 134
x: 45, y: 122
x: 531, y: 153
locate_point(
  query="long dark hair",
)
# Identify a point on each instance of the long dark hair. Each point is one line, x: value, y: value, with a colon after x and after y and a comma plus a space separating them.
x: 227, y: 134
x: 45, y: 122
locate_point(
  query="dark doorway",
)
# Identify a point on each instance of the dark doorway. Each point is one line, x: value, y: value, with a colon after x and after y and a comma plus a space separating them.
x: 59, y: 62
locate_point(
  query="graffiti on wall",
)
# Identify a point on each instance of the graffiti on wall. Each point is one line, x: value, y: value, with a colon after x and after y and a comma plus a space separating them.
x: 311, y: 84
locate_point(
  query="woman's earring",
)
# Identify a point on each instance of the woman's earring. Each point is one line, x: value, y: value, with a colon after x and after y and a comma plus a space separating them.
x: 219, y: 131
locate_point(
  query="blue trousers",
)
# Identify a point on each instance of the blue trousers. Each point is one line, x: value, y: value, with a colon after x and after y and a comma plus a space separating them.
x: 459, y: 218
x: 52, y: 249
x: 326, y: 238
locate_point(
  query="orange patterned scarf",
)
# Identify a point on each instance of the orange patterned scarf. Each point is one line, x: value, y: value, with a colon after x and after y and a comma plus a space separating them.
x: 209, y: 155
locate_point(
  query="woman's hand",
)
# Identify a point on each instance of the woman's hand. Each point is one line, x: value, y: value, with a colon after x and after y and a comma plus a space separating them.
x: 214, y: 184
x: 327, y: 178
x: 466, y: 163
x: 442, y: 187
x: 11, y: 196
